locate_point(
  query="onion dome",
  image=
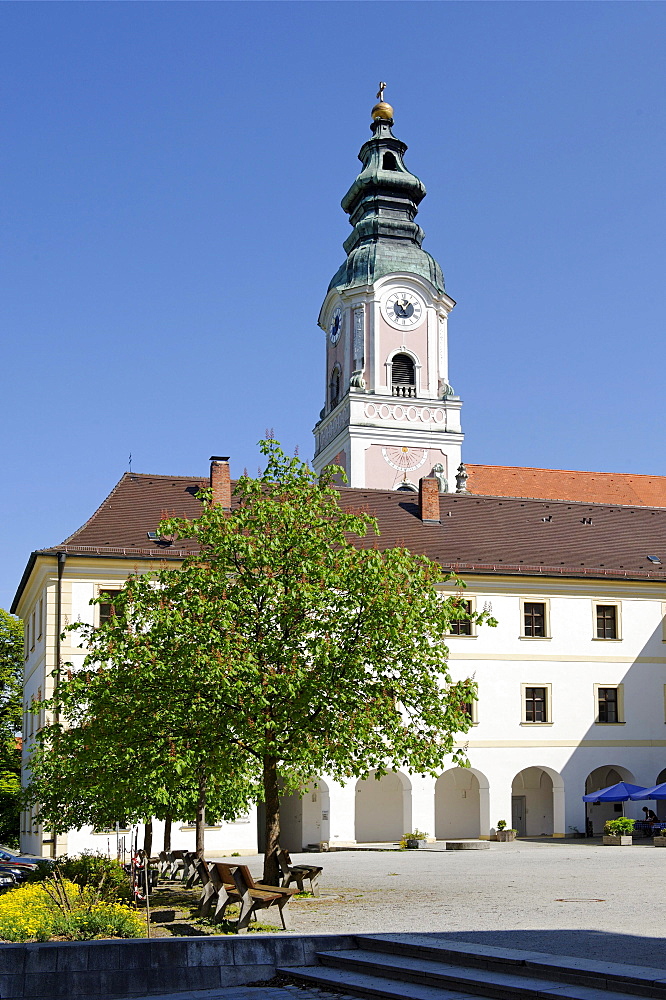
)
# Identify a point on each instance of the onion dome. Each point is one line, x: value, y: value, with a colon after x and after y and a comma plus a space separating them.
x: 382, y: 204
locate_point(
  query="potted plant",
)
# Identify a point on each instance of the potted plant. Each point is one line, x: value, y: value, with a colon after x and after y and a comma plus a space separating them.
x: 410, y: 841
x: 504, y: 835
x: 659, y: 838
x: 617, y: 832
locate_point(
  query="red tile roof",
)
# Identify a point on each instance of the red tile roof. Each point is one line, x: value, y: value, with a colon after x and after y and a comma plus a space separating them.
x: 564, y: 484
x: 496, y: 533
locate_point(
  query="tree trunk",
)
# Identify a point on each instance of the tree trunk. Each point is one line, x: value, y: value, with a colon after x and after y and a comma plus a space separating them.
x: 201, y: 816
x: 272, y: 803
x: 148, y: 838
x: 167, y: 833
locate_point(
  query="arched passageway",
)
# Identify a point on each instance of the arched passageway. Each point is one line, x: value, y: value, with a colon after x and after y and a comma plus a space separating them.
x: 597, y: 813
x: 304, y: 819
x: 537, y: 802
x: 461, y: 804
x: 383, y: 808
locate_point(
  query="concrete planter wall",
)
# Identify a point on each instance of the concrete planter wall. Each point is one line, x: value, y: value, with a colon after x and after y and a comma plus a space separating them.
x: 615, y: 840
x: 504, y: 836
x: 659, y: 841
x: 105, y: 969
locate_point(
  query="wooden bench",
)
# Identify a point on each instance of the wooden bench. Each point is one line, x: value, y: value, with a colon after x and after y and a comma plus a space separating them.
x: 234, y: 884
x: 209, y: 887
x: 296, y: 873
x: 190, y: 874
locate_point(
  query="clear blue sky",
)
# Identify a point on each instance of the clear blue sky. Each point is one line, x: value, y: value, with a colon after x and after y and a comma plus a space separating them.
x: 171, y: 176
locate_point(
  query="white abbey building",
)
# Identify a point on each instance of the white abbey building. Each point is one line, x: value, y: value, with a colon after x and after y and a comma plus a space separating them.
x: 572, y: 685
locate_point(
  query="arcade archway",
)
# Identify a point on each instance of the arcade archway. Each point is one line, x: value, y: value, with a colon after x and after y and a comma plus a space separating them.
x: 537, y: 802
x: 597, y: 813
x: 461, y: 804
x: 383, y: 808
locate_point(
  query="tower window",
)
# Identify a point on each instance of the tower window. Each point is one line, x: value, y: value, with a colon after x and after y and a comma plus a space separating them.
x: 334, y: 387
x: 403, y: 375
x: 389, y: 162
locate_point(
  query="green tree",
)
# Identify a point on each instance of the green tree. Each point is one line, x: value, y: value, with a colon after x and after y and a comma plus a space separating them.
x: 289, y: 642
x: 11, y: 710
x: 128, y: 746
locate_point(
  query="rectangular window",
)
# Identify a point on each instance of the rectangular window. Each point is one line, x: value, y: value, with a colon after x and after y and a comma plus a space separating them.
x: 606, y: 621
x: 32, y: 621
x: 607, y: 704
x: 536, y: 707
x: 462, y: 627
x: 470, y: 708
x: 106, y: 608
x: 41, y: 617
x: 534, y: 619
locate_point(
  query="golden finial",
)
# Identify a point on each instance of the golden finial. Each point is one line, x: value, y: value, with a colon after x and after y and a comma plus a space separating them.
x: 382, y: 110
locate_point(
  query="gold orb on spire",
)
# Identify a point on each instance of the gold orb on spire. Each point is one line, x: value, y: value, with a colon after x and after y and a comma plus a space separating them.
x: 382, y: 111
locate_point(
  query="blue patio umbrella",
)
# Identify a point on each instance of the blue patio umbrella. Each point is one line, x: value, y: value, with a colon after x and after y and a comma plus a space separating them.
x: 620, y: 792
x: 655, y: 792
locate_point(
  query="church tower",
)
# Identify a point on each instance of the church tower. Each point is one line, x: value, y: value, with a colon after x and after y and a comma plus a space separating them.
x: 390, y: 415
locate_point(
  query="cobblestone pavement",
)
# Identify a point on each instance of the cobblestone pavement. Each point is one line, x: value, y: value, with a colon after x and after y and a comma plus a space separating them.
x: 533, y: 894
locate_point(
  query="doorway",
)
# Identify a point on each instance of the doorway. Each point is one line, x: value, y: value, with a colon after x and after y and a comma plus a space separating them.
x: 518, y: 811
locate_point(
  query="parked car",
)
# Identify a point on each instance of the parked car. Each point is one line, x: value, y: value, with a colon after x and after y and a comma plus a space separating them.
x: 15, y: 858
x: 7, y: 880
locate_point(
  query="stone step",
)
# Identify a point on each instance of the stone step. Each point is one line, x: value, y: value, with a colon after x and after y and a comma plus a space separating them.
x: 632, y: 979
x: 362, y: 985
x: 485, y: 982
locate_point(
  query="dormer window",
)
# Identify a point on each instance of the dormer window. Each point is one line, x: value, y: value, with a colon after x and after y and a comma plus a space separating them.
x: 403, y: 375
x: 389, y: 162
x: 334, y: 387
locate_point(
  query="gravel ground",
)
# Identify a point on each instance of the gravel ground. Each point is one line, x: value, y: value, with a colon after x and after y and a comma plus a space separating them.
x: 564, y: 897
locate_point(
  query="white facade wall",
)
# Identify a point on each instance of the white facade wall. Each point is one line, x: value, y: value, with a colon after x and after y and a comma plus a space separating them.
x: 543, y: 767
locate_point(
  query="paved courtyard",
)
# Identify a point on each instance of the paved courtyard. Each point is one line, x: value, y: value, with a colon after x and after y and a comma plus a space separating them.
x: 538, y: 894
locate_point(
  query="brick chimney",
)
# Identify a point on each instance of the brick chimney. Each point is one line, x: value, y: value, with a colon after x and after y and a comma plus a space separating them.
x: 429, y: 500
x: 220, y: 481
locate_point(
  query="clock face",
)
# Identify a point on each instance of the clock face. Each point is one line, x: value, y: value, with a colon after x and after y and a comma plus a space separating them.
x: 403, y: 309
x: 335, y: 329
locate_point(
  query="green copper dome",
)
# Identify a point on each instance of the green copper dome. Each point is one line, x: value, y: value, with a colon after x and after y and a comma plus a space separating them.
x: 382, y: 204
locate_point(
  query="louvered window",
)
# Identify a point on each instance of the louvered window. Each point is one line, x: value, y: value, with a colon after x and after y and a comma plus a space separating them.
x: 403, y: 375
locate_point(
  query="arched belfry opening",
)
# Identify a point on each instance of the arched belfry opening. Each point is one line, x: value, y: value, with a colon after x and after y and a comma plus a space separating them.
x: 389, y: 162
x: 334, y: 387
x: 403, y: 375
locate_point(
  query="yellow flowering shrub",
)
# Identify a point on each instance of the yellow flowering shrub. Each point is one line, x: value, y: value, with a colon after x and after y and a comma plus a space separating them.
x: 29, y: 913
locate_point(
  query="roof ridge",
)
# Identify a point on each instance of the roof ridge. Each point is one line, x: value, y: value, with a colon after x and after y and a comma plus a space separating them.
x: 579, y: 472
x: 581, y: 503
x: 158, y: 475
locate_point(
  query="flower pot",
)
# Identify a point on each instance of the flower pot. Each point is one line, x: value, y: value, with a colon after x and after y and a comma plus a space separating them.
x: 659, y: 841
x: 506, y: 835
x: 412, y: 845
x: 617, y: 840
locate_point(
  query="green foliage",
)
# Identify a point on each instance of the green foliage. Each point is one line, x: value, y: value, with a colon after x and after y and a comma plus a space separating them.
x: 11, y: 710
x: 622, y: 826
x: 11, y: 674
x: 98, y: 920
x: 95, y: 871
x: 415, y: 835
x: 287, y: 645
x: 501, y: 824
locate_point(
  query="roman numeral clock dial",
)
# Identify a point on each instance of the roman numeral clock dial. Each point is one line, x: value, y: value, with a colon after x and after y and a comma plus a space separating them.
x: 403, y: 309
